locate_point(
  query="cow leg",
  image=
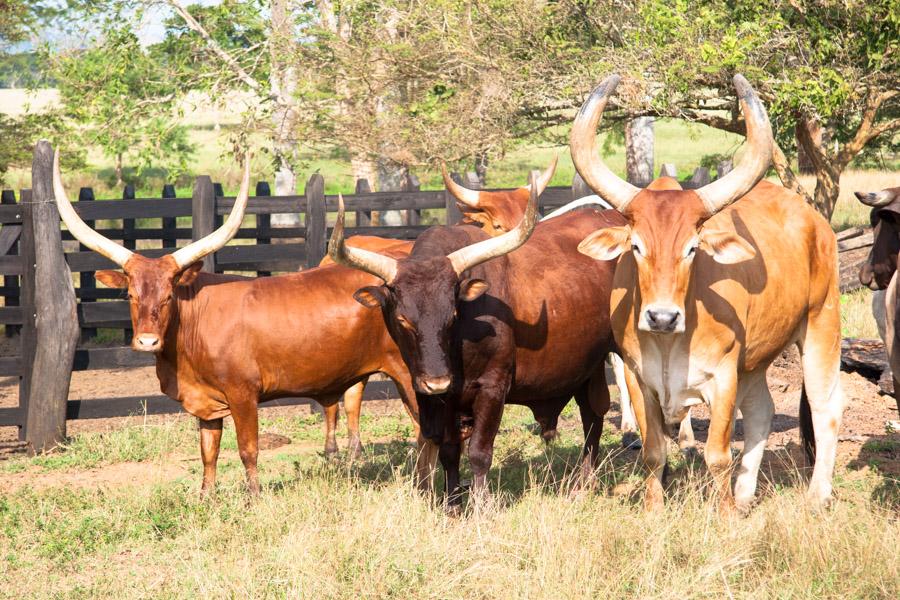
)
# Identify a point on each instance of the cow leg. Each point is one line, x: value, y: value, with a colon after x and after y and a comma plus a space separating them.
x: 686, y: 441
x: 427, y: 450
x: 757, y: 409
x: 593, y: 403
x: 488, y: 411
x: 210, y: 440
x: 821, y: 359
x: 630, y: 438
x: 331, y: 419
x: 449, y: 454
x: 352, y: 406
x: 246, y: 425
x: 721, y: 427
x: 653, y: 452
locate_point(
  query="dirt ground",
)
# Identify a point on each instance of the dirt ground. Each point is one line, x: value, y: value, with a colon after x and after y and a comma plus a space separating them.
x: 864, y: 442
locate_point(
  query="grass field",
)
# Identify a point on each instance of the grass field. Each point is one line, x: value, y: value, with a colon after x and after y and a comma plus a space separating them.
x: 334, y: 530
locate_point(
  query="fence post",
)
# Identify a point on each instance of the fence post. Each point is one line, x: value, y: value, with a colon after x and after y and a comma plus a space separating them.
x: 723, y: 168
x: 51, y: 313
x: 668, y: 170
x: 698, y: 179
x: 203, y: 216
x: 454, y: 215
x: 315, y: 220
x: 169, y: 237
x: 579, y: 188
x: 363, y: 217
x: 11, y: 282
x: 263, y: 222
x: 86, y: 279
x: 218, y: 192
x: 413, y: 215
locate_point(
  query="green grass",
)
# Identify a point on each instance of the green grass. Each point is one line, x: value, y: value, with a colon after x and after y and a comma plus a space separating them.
x: 336, y: 530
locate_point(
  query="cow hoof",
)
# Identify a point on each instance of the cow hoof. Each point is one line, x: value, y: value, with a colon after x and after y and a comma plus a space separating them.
x: 631, y: 441
x: 549, y: 436
x: 454, y: 510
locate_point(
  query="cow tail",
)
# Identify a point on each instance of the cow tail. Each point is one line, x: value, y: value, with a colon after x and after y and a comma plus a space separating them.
x: 807, y: 434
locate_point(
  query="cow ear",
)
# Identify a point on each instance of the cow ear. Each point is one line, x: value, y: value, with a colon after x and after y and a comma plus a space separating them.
x: 607, y: 243
x: 188, y: 275
x: 371, y: 296
x: 726, y: 247
x: 471, y: 289
x: 113, y: 279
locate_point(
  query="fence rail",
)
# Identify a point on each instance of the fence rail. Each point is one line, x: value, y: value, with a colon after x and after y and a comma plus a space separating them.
x: 273, y: 249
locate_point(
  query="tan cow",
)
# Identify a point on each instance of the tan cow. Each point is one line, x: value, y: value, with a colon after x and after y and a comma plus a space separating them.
x: 711, y: 286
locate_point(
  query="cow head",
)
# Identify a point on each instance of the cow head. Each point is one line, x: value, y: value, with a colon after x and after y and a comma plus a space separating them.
x: 151, y: 282
x: 421, y: 294
x: 667, y: 227
x: 878, y: 269
x: 496, y: 212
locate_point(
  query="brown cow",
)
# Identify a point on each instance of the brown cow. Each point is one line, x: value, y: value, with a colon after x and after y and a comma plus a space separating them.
x: 477, y: 333
x: 225, y: 343
x: 711, y: 285
x: 496, y: 213
x: 879, y: 273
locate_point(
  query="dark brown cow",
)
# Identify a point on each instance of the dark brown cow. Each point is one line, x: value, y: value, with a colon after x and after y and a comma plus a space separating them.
x: 879, y: 272
x: 496, y: 213
x: 528, y: 327
x: 225, y: 343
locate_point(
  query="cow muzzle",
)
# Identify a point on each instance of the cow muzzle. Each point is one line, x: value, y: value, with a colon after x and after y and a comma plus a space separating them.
x: 146, y: 342
x: 434, y: 385
x: 659, y: 318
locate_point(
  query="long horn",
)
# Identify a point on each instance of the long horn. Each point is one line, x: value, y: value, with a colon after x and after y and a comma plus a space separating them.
x: 753, y: 166
x: 376, y: 264
x: 544, y: 180
x: 79, y: 229
x: 218, y: 238
x: 475, y: 254
x: 585, y: 155
x: 463, y: 194
x: 876, y: 199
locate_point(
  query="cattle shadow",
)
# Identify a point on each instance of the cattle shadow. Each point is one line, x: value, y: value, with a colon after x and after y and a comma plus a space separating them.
x: 880, y: 455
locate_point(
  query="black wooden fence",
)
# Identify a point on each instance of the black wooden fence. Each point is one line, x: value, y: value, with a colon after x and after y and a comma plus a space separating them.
x: 139, y: 223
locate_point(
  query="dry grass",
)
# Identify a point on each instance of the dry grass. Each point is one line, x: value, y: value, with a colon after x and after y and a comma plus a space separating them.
x: 856, y: 315
x: 333, y: 531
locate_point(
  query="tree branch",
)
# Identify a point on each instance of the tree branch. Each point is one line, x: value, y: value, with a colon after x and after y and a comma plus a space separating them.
x: 867, y: 130
x: 220, y: 52
x: 786, y: 175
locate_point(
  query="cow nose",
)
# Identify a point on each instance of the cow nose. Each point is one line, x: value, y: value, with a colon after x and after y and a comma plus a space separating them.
x: 663, y: 320
x: 434, y: 385
x: 146, y: 342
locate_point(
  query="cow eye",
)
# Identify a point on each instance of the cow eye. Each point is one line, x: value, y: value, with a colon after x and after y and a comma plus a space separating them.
x: 691, y: 251
x: 636, y: 249
x: 405, y: 324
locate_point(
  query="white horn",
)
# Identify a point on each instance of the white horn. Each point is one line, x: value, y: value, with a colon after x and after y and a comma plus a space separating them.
x: 218, y: 238
x: 754, y: 164
x: 463, y: 194
x: 544, y: 180
x: 79, y: 229
x: 475, y: 254
x: 376, y: 264
x: 586, y: 156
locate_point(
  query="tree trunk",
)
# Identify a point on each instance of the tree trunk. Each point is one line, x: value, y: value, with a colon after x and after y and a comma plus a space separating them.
x: 391, y: 178
x: 119, y: 180
x: 639, y: 151
x: 805, y: 162
x: 481, y: 167
x: 283, y: 81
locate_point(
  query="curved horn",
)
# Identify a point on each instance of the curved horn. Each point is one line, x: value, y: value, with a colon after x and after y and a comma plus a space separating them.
x: 544, y: 180
x: 376, y: 264
x: 218, y: 238
x: 79, y: 229
x: 876, y: 199
x: 585, y: 155
x: 463, y: 194
x: 475, y: 254
x: 753, y: 166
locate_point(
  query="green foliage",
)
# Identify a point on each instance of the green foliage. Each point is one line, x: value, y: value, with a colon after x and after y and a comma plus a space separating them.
x: 20, y: 134
x: 124, y: 100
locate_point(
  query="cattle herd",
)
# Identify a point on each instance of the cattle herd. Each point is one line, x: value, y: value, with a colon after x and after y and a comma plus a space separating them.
x: 697, y: 292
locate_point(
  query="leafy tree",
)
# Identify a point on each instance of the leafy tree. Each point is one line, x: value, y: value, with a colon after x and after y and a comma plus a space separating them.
x: 124, y: 100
